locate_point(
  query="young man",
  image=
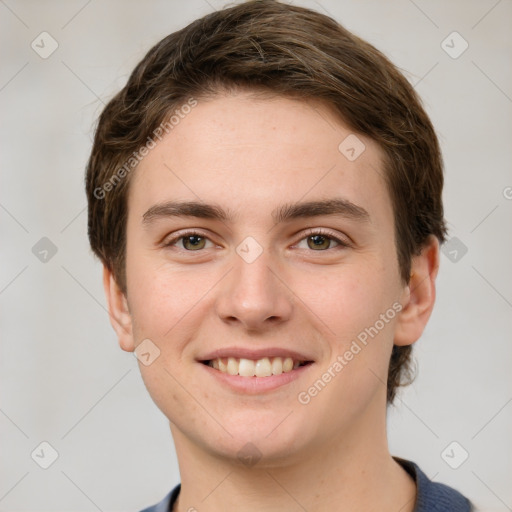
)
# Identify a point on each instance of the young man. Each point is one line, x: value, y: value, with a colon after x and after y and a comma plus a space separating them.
x: 265, y: 196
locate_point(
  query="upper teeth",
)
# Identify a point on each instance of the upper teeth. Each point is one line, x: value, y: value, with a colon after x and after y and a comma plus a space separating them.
x: 264, y: 367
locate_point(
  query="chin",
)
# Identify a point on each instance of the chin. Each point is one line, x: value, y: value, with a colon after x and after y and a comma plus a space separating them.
x: 260, y: 442
x: 258, y: 454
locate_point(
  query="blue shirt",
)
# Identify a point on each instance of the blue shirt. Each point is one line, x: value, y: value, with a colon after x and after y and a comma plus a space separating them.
x: 430, y: 496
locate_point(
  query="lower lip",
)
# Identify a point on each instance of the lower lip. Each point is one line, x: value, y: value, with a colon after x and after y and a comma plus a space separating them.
x: 256, y: 385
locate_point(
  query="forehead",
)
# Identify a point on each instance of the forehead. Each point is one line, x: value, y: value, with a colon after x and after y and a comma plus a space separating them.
x: 253, y: 154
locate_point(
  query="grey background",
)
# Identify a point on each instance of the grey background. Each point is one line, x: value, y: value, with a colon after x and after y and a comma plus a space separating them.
x: 63, y: 377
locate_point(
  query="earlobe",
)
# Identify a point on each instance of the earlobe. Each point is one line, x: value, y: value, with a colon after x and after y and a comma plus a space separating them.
x: 120, y: 316
x: 419, y: 295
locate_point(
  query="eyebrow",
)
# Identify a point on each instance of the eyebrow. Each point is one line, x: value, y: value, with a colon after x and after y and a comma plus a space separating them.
x: 336, y: 207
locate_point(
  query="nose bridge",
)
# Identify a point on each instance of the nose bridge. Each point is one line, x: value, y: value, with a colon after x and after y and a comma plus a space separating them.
x: 254, y: 295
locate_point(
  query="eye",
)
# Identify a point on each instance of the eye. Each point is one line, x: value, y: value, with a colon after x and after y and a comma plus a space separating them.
x: 316, y: 239
x: 320, y: 240
x: 190, y: 241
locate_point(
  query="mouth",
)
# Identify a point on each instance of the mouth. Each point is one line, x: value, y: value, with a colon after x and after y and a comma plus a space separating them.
x: 263, y: 367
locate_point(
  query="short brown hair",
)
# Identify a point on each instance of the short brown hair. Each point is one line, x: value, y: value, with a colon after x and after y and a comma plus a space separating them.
x: 289, y: 51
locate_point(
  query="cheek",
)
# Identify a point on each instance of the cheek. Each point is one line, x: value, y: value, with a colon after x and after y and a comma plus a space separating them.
x: 359, y: 317
x: 163, y: 297
x: 347, y: 300
x: 356, y: 310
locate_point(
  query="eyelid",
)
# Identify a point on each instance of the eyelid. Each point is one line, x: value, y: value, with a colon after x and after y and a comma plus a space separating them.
x: 342, y: 242
x: 175, y: 237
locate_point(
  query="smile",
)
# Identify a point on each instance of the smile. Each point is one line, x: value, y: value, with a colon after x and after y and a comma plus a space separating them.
x: 264, y: 367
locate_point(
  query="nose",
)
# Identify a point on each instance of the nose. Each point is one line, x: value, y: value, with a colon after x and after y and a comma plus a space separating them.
x: 255, y: 295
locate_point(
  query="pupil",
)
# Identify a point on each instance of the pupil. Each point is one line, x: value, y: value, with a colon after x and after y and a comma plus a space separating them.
x: 193, y: 241
x: 319, y: 240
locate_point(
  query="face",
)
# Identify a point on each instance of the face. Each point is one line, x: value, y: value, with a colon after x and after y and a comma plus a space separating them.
x: 256, y: 243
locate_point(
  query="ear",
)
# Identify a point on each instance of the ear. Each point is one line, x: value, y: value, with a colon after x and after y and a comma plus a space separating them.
x: 120, y: 317
x: 419, y: 295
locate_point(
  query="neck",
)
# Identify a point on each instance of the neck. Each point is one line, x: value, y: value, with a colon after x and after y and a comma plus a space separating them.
x: 351, y: 472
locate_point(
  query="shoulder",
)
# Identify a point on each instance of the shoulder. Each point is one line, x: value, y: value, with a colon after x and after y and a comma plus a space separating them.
x: 167, y: 502
x: 434, y: 496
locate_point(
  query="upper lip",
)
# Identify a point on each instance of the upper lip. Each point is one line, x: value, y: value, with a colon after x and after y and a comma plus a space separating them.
x: 254, y: 354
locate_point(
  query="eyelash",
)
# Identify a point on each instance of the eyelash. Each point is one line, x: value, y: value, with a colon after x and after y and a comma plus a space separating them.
x: 343, y: 244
